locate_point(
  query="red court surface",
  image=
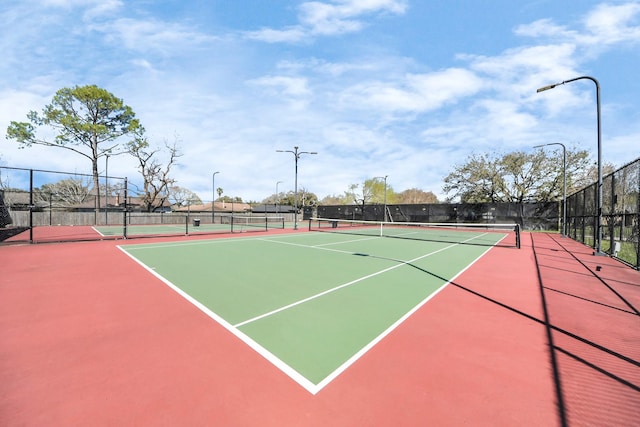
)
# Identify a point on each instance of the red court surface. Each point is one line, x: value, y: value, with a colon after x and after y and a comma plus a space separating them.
x: 532, y: 337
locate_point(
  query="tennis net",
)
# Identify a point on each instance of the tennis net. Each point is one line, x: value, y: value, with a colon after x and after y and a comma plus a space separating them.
x: 241, y: 222
x: 461, y: 233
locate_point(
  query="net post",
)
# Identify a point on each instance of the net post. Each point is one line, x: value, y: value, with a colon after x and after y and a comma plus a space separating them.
x: 517, y: 230
x: 186, y: 225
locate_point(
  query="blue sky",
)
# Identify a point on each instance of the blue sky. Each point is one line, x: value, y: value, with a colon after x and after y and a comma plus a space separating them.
x: 402, y: 88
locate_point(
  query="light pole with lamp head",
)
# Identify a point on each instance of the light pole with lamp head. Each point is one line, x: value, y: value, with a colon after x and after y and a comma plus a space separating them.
x: 599, y: 190
x: 213, y: 198
x: 385, y: 195
x: 297, y: 155
x: 564, y: 184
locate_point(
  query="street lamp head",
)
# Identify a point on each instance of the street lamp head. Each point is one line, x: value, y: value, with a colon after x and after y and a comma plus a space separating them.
x: 542, y: 89
x: 296, y: 155
x: 550, y: 143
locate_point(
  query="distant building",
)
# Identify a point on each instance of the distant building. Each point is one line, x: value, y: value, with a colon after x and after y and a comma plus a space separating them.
x: 223, y: 207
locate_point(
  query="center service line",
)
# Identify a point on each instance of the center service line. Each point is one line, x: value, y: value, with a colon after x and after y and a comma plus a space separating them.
x: 302, y: 301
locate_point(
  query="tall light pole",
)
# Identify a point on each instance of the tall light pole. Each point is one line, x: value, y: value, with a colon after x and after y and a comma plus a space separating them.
x: 564, y: 184
x: 385, y: 195
x: 599, y: 197
x: 213, y: 197
x: 297, y: 155
x: 279, y: 182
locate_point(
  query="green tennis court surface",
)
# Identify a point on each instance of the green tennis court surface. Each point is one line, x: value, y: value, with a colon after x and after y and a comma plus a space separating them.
x: 311, y: 303
x: 159, y: 229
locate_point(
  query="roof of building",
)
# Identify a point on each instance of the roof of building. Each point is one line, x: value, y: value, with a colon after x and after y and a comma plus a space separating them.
x: 217, y: 207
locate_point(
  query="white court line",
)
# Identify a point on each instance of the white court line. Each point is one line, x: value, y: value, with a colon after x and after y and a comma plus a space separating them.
x: 218, y: 240
x: 349, y: 241
x: 319, y: 247
x: 97, y: 231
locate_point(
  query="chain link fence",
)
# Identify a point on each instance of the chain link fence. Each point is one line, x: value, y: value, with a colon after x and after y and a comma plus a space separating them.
x: 29, y: 199
x: 530, y: 216
x: 35, y: 199
x: 51, y: 206
x: 620, y: 214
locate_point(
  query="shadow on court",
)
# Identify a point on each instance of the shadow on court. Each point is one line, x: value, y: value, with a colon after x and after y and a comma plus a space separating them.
x: 592, y: 323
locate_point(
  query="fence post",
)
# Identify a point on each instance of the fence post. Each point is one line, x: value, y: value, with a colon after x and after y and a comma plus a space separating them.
x: 124, y: 220
x: 612, y: 214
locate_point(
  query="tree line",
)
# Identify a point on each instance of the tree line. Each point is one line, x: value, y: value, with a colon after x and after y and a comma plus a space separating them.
x: 91, y: 122
x: 520, y: 176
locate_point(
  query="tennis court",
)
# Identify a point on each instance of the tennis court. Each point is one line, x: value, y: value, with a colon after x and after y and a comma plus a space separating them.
x: 353, y: 325
x: 334, y: 296
x: 152, y: 225
x: 184, y: 225
x: 159, y: 229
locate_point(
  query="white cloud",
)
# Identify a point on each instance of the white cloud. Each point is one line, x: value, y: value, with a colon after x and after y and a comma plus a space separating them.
x: 92, y: 8
x: 506, y: 121
x: 334, y: 69
x: 544, y: 28
x: 101, y: 8
x: 17, y: 103
x: 341, y: 16
x: 614, y: 23
x: 270, y: 35
x: 143, y: 63
x: 289, y: 86
x: 517, y: 73
x: 328, y: 19
x: 546, y: 59
x: 415, y: 92
x: 606, y: 24
x: 72, y: 3
x: 145, y: 35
